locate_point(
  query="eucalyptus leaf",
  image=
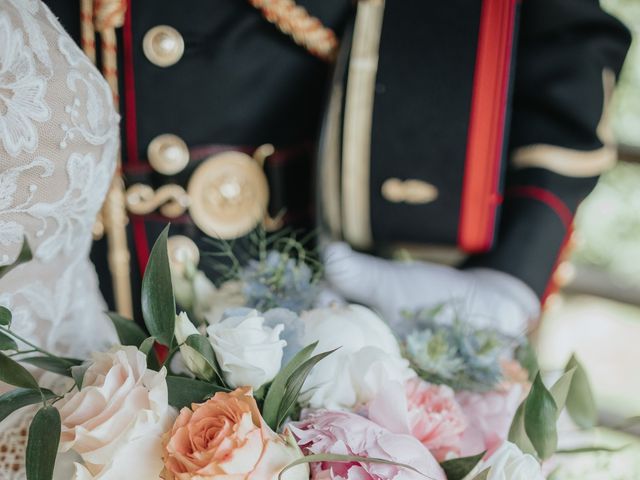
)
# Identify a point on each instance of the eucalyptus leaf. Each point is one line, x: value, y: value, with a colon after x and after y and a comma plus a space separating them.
x: 129, y: 333
x: 23, y: 257
x: 5, y: 316
x: 13, y: 373
x: 158, y: 301
x: 21, y: 397
x: 203, y: 348
x: 294, y: 386
x: 184, y: 391
x: 42, y: 445
x: 518, y: 435
x: 272, y: 401
x: 459, y: 468
x: 334, y: 457
x: 581, y: 404
x: 540, y: 416
x: 59, y: 365
x: 146, y: 347
x: 560, y: 389
x: 7, y: 343
x: 77, y: 373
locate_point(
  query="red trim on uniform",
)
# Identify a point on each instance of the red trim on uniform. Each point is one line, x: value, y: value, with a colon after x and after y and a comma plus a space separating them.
x: 546, y: 197
x: 131, y: 133
x: 485, y: 142
x: 553, y: 286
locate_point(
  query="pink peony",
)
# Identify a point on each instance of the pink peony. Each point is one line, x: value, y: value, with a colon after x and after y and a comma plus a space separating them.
x: 490, y: 415
x: 350, y: 434
x: 435, y: 418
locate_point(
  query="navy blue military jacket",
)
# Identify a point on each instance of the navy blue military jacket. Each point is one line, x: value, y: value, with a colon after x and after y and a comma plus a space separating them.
x: 458, y: 153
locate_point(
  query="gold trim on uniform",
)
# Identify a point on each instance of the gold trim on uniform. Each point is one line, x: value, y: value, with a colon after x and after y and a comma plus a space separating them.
x: 163, y: 46
x: 229, y: 195
x: 172, y: 200
x: 411, y: 191
x: 168, y: 154
x: 361, y: 84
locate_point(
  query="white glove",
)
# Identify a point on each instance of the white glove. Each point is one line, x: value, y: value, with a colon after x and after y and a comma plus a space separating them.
x: 487, y: 297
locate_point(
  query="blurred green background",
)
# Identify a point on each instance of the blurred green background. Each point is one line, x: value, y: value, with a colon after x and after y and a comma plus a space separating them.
x: 597, y: 313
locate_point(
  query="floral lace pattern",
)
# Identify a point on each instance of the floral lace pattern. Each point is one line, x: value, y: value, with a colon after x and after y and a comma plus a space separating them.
x: 58, y: 147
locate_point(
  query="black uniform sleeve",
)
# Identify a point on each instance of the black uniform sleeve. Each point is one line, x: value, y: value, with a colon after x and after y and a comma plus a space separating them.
x: 569, y: 53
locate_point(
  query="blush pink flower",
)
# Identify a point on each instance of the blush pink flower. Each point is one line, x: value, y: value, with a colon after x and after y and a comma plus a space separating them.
x: 435, y: 418
x: 350, y: 434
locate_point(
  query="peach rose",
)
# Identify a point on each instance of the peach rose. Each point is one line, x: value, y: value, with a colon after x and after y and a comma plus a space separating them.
x: 226, y: 438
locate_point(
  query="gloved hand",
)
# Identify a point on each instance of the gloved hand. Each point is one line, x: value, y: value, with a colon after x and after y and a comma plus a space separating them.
x: 487, y: 297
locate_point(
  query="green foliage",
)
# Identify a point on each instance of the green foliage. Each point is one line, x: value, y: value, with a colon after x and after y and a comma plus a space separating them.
x: 202, y: 347
x: 518, y: 435
x: 128, y: 332
x: 581, y: 404
x: 23, y: 257
x: 7, y: 343
x: 540, y: 416
x: 77, y: 373
x: 459, y: 468
x: 13, y: 373
x: 483, y: 475
x: 59, y: 365
x: 158, y: 301
x: 560, y: 390
x: 184, y: 391
x: 5, y: 317
x: 42, y: 446
x: 285, y: 387
x: 21, y: 397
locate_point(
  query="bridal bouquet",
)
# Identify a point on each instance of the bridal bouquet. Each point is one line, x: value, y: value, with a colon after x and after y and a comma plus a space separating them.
x: 254, y: 380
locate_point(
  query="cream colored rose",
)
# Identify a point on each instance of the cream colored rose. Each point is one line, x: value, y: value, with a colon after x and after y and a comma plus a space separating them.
x: 225, y: 438
x: 115, y: 423
x: 249, y: 353
x: 509, y: 463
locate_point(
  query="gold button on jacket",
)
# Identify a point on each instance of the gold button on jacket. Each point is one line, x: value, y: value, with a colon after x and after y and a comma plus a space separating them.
x: 168, y: 154
x: 163, y: 45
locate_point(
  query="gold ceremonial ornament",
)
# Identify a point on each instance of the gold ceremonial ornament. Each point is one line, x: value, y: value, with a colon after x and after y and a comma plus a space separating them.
x: 183, y: 252
x: 168, y: 154
x: 229, y: 195
x: 163, y: 46
x: 172, y: 200
x: 411, y: 191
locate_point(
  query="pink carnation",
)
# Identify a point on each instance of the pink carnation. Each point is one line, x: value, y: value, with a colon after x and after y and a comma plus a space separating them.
x: 350, y: 434
x: 435, y: 418
x: 490, y: 415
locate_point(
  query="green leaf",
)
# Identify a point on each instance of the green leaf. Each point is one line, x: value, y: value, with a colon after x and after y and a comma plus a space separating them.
x: 526, y: 355
x: 5, y: 316
x: 518, y: 435
x: 540, y: 416
x: 272, y: 401
x: 21, y: 397
x: 42, y: 446
x: 581, y: 404
x: 7, y: 343
x: 23, y: 257
x: 592, y: 449
x: 459, y: 468
x: 334, y: 457
x: 146, y: 347
x: 203, y: 347
x: 128, y: 332
x: 294, y: 385
x: 560, y: 389
x: 158, y: 301
x: 59, y: 365
x: 184, y: 391
x: 483, y: 475
x: 13, y: 373
x: 77, y: 373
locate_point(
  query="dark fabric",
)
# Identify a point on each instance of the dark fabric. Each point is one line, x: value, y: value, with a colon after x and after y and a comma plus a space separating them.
x: 558, y: 99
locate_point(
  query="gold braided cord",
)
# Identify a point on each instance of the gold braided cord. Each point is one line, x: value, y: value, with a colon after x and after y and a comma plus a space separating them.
x: 305, y: 29
x: 105, y: 16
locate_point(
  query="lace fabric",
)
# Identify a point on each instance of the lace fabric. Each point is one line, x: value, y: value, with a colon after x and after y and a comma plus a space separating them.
x: 58, y: 147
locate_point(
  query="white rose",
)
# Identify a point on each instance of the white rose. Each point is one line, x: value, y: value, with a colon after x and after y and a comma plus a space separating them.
x: 367, y: 359
x: 509, y: 463
x: 115, y: 423
x: 191, y: 358
x: 249, y: 353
